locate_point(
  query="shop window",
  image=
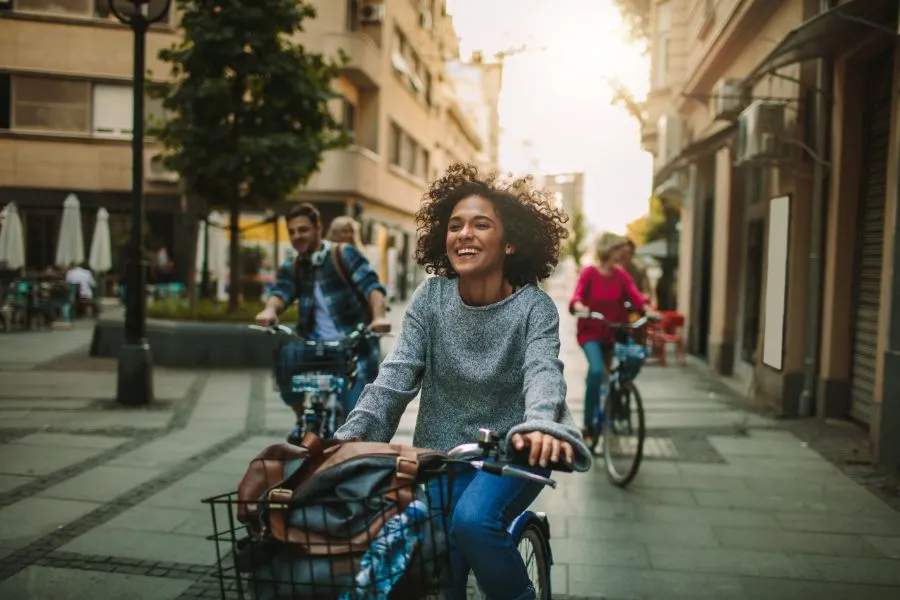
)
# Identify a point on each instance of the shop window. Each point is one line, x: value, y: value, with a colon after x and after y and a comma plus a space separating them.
x: 51, y: 104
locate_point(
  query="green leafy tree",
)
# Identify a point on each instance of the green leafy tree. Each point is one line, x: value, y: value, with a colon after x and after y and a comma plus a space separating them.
x: 662, y: 220
x: 636, y: 14
x: 247, y: 107
x: 574, y: 245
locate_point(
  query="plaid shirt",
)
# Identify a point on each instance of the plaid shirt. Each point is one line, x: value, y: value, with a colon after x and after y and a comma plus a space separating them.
x: 342, y: 302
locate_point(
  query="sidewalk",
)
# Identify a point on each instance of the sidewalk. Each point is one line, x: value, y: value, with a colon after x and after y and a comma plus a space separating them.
x: 100, y: 502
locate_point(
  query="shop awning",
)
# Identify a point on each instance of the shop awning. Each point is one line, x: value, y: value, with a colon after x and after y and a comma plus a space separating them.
x: 830, y: 33
x: 706, y: 145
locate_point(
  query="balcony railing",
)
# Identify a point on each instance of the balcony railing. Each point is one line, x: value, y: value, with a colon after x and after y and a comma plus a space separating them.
x: 364, y: 66
x: 349, y: 170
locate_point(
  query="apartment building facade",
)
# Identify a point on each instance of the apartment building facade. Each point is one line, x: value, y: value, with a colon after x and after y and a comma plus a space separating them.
x: 568, y: 190
x: 65, y: 122
x: 775, y: 126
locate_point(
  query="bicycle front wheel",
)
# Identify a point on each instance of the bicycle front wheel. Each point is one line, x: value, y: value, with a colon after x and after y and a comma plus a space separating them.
x: 624, y: 430
x: 532, y: 545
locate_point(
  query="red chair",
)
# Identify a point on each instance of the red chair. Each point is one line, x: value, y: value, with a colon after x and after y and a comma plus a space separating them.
x: 665, y: 332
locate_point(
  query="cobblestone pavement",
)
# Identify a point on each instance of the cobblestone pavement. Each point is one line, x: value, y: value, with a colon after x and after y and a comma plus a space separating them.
x: 102, y: 502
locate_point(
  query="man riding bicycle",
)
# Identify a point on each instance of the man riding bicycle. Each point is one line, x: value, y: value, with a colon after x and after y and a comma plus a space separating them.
x: 481, y: 343
x: 329, y: 301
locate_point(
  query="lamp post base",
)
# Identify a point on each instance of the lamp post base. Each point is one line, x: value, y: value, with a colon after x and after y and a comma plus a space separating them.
x: 135, y: 386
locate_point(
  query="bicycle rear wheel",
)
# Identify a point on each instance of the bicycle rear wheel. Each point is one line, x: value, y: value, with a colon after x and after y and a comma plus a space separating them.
x: 624, y: 430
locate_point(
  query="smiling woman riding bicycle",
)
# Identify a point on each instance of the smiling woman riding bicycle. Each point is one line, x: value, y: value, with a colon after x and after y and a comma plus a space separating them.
x: 481, y: 343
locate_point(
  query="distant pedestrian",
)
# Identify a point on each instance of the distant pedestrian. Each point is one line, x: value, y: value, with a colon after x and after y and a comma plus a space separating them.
x: 345, y: 230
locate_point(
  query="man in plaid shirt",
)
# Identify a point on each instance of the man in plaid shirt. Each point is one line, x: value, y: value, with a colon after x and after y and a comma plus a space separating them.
x: 328, y: 307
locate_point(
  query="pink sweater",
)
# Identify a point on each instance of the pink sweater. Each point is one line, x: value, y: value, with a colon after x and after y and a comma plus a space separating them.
x: 605, y: 294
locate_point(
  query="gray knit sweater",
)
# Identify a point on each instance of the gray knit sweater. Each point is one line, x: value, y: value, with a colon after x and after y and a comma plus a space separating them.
x: 493, y: 366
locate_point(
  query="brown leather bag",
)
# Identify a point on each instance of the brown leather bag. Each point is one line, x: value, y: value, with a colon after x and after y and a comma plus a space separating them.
x: 336, y: 499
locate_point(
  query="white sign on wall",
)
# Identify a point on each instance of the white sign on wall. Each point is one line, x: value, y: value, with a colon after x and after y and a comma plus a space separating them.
x: 776, y: 280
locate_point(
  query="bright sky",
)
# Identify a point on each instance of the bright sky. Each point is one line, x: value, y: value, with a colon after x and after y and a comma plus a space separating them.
x: 555, y: 96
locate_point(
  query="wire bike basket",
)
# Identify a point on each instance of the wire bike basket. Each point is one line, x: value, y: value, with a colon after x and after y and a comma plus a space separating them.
x: 328, y: 541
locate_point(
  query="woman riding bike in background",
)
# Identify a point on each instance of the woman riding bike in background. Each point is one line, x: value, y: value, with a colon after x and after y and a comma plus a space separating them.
x: 481, y: 343
x: 604, y: 288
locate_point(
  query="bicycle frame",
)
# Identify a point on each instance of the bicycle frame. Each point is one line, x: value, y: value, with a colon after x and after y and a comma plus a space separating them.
x: 321, y: 387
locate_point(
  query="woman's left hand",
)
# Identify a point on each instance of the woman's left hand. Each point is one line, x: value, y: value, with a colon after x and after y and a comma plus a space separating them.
x: 545, y: 448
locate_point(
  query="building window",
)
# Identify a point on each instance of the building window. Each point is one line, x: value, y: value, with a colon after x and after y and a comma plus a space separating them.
x: 83, y: 8
x: 663, y: 42
x: 422, y: 163
x: 112, y: 110
x: 90, y: 8
x: 394, y: 140
x: 407, y: 153
x: 348, y: 118
x: 5, y: 98
x: 51, y: 104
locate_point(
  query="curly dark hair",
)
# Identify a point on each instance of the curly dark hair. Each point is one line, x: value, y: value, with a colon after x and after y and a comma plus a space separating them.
x: 530, y: 222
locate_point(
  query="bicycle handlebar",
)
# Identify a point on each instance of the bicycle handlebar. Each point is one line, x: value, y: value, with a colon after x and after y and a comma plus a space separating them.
x: 599, y: 317
x: 348, y: 340
x: 511, y: 464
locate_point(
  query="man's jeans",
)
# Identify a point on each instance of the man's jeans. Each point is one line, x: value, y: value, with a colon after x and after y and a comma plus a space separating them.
x: 296, y: 354
x: 483, y: 506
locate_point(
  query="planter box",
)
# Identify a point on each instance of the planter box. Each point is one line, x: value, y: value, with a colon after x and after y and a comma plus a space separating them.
x: 192, y: 344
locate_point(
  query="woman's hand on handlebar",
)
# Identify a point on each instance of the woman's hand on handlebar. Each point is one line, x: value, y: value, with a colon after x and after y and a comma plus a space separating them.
x: 380, y: 325
x: 578, y: 307
x: 266, y: 317
x: 545, y: 449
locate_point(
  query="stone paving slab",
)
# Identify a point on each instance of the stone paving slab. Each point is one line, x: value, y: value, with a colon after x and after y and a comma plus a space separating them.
x: 40, y: 583
x: 30, y: 459
x: 11, y: 482
x: 26, y: 404
x: 27, y: 520
x: 143, y: 545
x: 791, y: 542
x: 63, y: 440
x: 827, y: 523
x: 52, y: 384
x: 84, y: 420
x: 888, y: 546
x: 731, y: 561
x: 101, y: 484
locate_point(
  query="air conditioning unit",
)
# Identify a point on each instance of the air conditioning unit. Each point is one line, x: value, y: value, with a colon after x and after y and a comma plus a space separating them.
x: 155, y: 171
x: 727, y: 99
x: 370, y: 13
x: 670, y: 132
x: 674, y: 189
x: 761, y: 133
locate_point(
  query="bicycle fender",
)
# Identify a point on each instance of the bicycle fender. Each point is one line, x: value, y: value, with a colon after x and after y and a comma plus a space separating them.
x: 540, y: 520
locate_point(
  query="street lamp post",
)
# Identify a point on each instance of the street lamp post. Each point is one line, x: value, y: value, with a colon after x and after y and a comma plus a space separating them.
x: 135, y: 373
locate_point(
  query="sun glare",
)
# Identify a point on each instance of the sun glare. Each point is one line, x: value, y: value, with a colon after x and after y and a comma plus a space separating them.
x: 555, y: 106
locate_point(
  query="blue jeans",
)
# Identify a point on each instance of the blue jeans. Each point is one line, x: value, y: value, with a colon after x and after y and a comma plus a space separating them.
x: 482, y: 508
x: 596, y: 354
x: 295, y: 354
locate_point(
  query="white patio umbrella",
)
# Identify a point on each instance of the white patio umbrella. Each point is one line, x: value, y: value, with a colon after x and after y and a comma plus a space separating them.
x: 218, y: 248
x: 12, y: 242
x: 70, y: 248
x: 100, y: 257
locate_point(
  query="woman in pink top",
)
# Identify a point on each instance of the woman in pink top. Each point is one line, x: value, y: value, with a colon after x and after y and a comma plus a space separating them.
x: 603, y: 288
